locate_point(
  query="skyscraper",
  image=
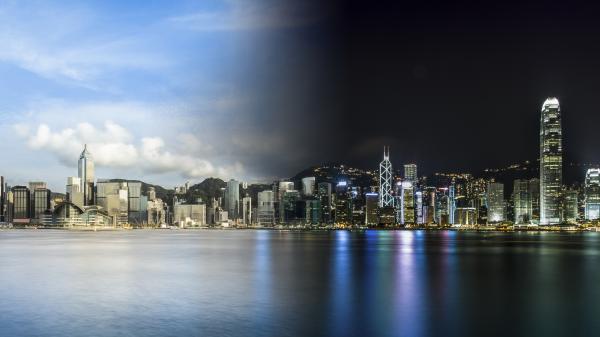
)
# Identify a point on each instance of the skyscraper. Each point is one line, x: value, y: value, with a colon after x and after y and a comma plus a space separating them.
x: 385, y: 180
x: 2, y: 200
x: 343, y: 205
x: 266, y: 208
x: 308, y: 186
x: 371, y: 209
x: 495, y: 202
x: 410, y: 172
x: 550, y: 162
x: 86, y: 174
x: 522, y: 199
x: 324, y: 191
x: 232, y: 199
x: 592, y: 194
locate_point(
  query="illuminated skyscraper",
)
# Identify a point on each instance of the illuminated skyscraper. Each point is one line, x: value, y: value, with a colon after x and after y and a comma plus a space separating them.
x: 308, y: 186
x: 550, y: 162
x: 522, y: 201
x: 371, y: 209
x: 495, y: 202
x: 410, y: 172
x: 592, y: 194
x: 86, y: 174
x: 408, y: 203
x: 385, y: 180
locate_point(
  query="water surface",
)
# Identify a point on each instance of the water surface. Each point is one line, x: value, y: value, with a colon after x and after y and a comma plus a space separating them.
x: 275, y: 283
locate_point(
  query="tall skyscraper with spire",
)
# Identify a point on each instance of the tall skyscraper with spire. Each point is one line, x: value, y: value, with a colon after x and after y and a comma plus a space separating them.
x: 86, y: 174
x: 550, y: 162
x: 385, y: 180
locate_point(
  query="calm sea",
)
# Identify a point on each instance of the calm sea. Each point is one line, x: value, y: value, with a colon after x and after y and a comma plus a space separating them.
x: 275, y: 283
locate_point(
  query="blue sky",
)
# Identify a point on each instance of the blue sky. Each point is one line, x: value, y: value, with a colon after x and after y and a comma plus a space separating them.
x: 161, y: 91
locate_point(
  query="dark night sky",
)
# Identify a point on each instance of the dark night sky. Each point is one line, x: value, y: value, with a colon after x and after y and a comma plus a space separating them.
x: 448, y: 86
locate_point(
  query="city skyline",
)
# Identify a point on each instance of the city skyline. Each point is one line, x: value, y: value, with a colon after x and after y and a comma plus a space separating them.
x: 182, y: 91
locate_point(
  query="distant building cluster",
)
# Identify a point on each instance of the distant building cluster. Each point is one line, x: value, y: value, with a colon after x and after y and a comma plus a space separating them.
x: 385, y: 199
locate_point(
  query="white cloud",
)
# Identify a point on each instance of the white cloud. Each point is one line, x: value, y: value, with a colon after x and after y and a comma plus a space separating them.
x: 113, y: 146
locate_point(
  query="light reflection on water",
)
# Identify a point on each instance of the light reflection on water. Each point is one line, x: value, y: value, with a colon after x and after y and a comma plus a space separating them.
x: 277, y: 283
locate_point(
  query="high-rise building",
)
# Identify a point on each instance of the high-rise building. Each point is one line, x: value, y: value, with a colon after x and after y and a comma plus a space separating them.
x: 308, y: 186
x: 451, y: 204
x: 246, y: 211
x: 570, y: 207
x: 371, y: 209
x: 113, y: 197
x: 324, y: 193
x: 592, y: 194
x: 385, y: 180
x: 74, y: 193
x: 289, y: 204
x: 41, y: 202
x: 407, y: 200
x: 189, y: 215
x: 138, y: 204
x: 232, y: 199
x: 495, y: 202
x: 265, y: 208
x: 343, y: 205
x: 313, y: 211
x: 550, y: 162
x: 86, y: 174
x: 21, y: 204
x: 523, y: 202
x: 534, y: 194
x: 2, y: 200
x: 410, y: 173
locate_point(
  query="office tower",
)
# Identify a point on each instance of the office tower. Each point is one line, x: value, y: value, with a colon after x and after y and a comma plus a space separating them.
x: 495, y: 202
x: 246, y: 211
x: 189, y: 215
x: 550, y: 162
x: 429, y: 215
x: 313, y: 211
x: 285, y: 186
x: 385, y: 180
x: 407, y: 201
x: 232, y: 199
x: 113, y: 197
x: 420, y: 212
x: 86, y: 174
x: 74, y: 193
x: 592, y: 194
x: 324, y: 194
x: 451, y: 204
x: 371, y: 209
x: 2, y: 200
x: 138, y: 204
x: 523, y: 202
x: 569, y: 207
x: 466, y: 216
x: 308, y: 186
x: 534, y: 194
x: 289, y: 207
x: 41, y: 201
x: 410, y: 173
x: 265, y: 208
x: 343, y: 206
x: 21, y: 204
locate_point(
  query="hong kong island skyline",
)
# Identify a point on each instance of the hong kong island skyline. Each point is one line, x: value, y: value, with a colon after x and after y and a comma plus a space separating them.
x: 325, y: 196
x: 268, y: 91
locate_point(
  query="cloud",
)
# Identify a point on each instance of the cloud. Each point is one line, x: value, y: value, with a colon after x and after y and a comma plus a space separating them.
x: 113, y: 146
x: 239, y: 15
